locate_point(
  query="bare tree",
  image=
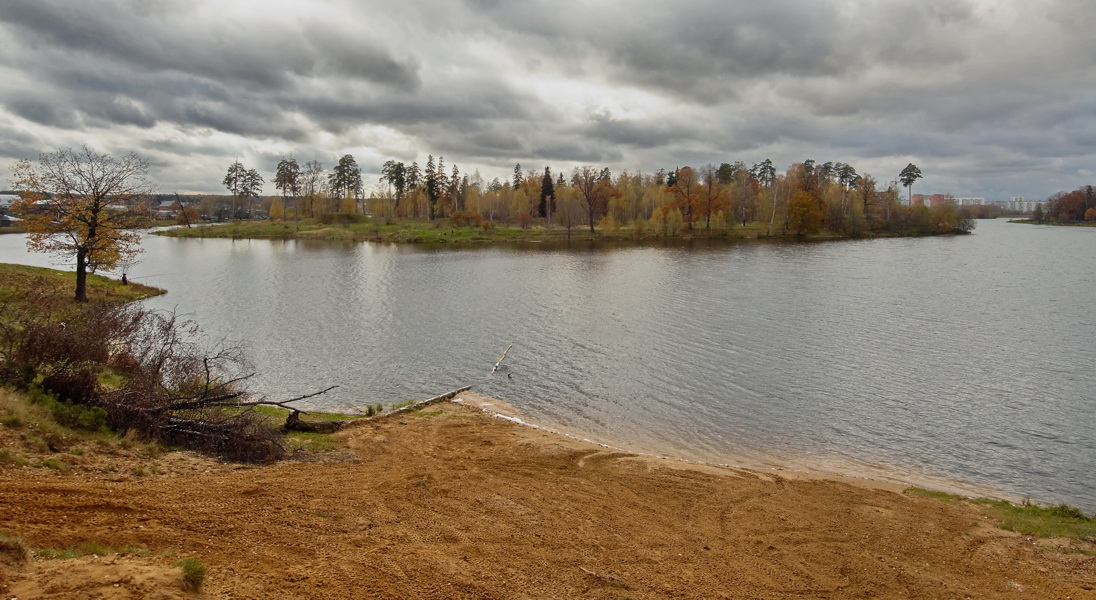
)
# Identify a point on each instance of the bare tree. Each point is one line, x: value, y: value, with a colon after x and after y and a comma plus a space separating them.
x: 592, y: 187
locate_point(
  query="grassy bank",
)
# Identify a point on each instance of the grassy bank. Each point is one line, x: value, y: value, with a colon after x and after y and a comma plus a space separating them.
x: 361, y: 228
x: 1060, y: 521
x: 20, y: 281
x: 1055, y: 223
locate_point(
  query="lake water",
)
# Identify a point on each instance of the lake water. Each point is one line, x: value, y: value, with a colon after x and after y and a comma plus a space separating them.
x: 969, y: 358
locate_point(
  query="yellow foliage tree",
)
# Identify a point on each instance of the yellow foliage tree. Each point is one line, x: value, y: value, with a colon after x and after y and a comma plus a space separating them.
x: 75, y: 204
x: 277, y: 210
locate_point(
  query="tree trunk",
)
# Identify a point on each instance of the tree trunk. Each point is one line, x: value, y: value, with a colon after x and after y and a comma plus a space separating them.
x: 81, y: 275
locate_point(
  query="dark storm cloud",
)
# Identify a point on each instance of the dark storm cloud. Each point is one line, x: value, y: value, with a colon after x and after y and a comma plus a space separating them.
x: 642, y: 134
x: 42, y: 111
x: 250, y: 52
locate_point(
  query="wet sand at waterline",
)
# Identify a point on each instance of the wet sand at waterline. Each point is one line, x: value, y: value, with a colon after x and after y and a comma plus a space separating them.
x: 452, y: 502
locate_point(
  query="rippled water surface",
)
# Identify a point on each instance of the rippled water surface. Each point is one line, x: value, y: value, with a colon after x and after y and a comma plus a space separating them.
x: 968, y: 357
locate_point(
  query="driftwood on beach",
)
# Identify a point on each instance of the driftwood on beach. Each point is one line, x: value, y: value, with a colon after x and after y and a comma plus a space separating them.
x: 435, y: 399
x: 294, y: 423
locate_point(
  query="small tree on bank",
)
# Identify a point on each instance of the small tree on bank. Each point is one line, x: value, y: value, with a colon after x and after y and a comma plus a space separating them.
x: 74, y: 204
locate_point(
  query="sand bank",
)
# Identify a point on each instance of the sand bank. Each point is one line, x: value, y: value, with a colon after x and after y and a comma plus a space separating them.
x: 451, y: 502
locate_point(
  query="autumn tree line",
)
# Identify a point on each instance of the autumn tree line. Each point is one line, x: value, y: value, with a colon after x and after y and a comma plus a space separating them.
x: 806, y: 199
x: 1072, y: 207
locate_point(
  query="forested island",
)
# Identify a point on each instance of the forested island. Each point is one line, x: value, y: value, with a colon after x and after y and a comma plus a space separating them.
x: 409, y: 203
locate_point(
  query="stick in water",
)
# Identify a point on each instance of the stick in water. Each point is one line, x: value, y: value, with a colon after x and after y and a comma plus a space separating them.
x: 502, y: 358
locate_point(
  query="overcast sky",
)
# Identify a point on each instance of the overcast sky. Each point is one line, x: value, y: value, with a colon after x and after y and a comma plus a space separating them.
x: 990, y: 98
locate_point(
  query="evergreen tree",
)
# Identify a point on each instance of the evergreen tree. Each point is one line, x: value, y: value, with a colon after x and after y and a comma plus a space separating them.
x: 908, y: 175
x: 346, y: 179
x: 395, y: 173
x: 430, y: 180
x: 547, y: 194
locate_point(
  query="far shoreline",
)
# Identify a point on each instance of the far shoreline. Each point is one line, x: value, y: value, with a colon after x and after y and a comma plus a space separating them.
x: 358, y: 228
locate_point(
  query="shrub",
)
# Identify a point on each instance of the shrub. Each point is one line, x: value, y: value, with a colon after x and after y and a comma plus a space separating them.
x: 463, y: 218
x: 69, y: 413
x: 608, y: 224
x: 341, y: 218
x: 12, y: 549
x: 167, y: 388
x: 194, y: 573
x: 7, y: 457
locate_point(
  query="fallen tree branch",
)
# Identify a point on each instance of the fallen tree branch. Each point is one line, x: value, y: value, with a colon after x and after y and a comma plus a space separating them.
x: 422, y: 403
x: 294, y: 423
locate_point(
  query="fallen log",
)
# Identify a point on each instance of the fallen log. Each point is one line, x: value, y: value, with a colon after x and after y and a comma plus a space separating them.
x: 434, y: 400
x: 294, y: 423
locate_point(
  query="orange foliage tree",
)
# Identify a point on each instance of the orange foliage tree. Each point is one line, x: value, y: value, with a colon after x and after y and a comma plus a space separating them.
x: 804, y: 214
x: 75, y: 205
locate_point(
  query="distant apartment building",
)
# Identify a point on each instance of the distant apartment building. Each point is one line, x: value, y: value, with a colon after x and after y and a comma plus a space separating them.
x: 1018, y: 204
x: 933, y: 200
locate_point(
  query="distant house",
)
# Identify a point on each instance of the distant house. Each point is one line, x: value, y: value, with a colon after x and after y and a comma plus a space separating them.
x: 7, y: 220
x: 6, y: 200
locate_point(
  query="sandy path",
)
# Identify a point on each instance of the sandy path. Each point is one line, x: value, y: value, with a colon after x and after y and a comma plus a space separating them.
x: 452, y: 503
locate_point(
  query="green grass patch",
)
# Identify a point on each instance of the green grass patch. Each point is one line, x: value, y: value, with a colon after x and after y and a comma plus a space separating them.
x: 70, y: 414
x: 16, y: 280
x: 11, y: 459
x: 279, y: 415
x: 85, y: 548
x: 443, y: 231
x: 194, y: 573
x: 303, y: 441
x: 53, y: 463
x: 134, y: 550
x: 420, y: 413
x: 37, y: 422
x: 1058, y: 521
x: 313, y: 442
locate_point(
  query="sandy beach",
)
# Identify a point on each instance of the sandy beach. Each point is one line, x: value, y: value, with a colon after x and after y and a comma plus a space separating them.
x: 453, y: 502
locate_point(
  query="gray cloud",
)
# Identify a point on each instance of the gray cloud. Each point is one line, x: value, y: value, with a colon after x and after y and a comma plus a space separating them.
x: 988, y: 96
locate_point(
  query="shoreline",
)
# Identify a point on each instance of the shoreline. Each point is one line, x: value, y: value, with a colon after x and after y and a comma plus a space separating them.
x: 844, y: 469
x: 452, y: 502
